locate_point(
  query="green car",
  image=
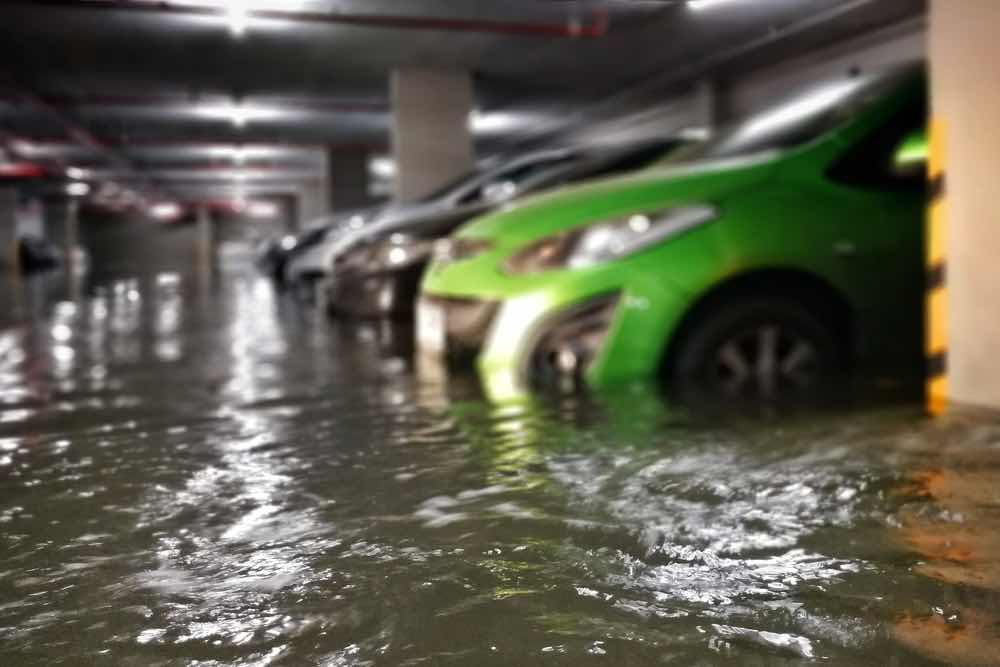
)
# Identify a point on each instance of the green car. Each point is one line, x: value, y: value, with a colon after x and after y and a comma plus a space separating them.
x: 786, y: 249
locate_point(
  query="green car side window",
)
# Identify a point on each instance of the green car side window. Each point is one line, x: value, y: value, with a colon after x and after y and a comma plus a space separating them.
x: 892, y: 156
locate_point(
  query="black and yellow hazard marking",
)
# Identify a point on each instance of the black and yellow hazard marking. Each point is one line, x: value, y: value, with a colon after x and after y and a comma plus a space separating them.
x: 937, y: 293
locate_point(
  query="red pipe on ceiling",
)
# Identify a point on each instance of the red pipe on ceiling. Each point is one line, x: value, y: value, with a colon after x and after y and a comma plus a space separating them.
x: 596, y: 26
x: 18, y: 170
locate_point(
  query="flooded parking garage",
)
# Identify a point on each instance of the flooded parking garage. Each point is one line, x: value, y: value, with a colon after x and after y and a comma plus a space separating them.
x: 543, y: 332
x: 212, y: 474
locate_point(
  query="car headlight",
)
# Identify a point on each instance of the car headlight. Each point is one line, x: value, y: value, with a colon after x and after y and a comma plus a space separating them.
x: 458, y: 249
x: 393, y: 253
x: 608, y: 240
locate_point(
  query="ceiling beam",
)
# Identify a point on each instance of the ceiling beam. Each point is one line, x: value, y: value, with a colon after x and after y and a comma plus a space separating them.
x: 595, y: 24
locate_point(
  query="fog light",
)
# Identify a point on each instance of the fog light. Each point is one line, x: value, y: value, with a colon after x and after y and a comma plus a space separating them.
x: 571, y: 342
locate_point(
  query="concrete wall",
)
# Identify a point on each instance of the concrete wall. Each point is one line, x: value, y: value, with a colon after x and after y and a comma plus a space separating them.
x: 965, y: 73
x: 125, y: 245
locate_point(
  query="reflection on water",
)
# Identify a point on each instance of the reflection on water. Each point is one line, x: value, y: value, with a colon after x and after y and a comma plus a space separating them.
x: 222, y: 478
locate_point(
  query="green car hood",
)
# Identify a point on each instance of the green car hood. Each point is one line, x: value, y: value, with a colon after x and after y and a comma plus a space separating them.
x: 646, y: 191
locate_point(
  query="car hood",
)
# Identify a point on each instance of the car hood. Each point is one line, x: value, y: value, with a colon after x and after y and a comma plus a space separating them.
x: 646, y: 191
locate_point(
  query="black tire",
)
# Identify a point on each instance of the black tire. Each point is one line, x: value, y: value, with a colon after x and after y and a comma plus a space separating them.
x: 761, y: 347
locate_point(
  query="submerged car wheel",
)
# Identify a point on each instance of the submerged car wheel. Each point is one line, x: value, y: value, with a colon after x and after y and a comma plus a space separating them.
x: 760, y: 347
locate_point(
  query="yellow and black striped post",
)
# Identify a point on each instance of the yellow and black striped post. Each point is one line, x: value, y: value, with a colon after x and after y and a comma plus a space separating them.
x: 937, y: 292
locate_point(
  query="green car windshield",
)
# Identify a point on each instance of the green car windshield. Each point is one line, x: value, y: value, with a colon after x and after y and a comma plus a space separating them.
x: 796, y: 121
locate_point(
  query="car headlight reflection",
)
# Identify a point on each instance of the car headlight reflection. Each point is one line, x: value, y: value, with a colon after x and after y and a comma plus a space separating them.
x: 609, y: 240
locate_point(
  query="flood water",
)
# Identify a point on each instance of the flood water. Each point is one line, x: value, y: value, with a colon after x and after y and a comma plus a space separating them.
x: 212, y: 475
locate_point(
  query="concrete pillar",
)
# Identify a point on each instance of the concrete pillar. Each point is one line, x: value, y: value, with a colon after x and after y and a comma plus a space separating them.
x: 347, y: 173
x: 8, y: 227
x: 710, y: 104
x: 965, y: 100
x: 206, y: 242
x: 431, y: 140
x: 312, y: 202
x: 71, y: 238
x: 71, y: 233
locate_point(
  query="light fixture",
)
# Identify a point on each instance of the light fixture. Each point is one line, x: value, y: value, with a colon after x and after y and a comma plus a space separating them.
x: 165, y: 210
x: 22, y: 147
x: 77, y: 189
x: 237, y: 16
x: 76, y: 173
x: 501, y: 122
x: 382, y: 166
x: 262, y: 209
x: 236, y: 113
x: 698, y: 5
x: 695, y: 133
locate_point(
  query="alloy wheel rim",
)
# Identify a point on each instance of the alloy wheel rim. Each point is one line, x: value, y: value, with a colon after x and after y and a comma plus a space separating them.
x: 766, y: 359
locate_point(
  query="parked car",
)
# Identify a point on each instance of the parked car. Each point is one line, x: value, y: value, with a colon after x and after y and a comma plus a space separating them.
x: 273, y: 255
x: 37, y: 254
x: 379, y: 275
x: 471, y: 192
x: 784, y: 250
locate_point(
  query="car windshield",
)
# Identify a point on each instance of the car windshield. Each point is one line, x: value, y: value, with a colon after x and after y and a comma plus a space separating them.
x: 795, y: 121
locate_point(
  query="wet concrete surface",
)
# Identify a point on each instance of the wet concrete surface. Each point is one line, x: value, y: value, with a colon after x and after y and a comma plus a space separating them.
x: 195, y: 474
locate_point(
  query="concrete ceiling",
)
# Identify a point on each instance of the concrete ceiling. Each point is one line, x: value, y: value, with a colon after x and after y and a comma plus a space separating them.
x: 182, y: 99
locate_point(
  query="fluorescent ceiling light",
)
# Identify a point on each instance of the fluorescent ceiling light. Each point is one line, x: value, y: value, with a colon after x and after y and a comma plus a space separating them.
x: 698, y: 5
x: 76, y: 173
x: 382, y: 166
x: 77, y: 189
x: 495, y: 122
x: 262, y: 209
x: 695, y: 133
x: 238, y: 114
x: 236, y: 14
x: 165, y: 210
x: 22, y: 146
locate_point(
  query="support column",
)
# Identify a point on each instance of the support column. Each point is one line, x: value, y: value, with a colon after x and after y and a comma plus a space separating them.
x: 206, y: 242
x: 964, y: 314
x: 431, y: 140
x: 71, y: 238
x: 8, y: 227
x: 710, y: 104
x: 347, y: 174
x: 312, y: 202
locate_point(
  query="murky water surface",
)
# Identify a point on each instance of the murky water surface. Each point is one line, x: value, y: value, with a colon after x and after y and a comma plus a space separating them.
x: 214, y: 476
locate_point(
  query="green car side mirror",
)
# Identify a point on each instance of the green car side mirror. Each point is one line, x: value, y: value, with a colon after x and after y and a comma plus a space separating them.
x: 910, y: 158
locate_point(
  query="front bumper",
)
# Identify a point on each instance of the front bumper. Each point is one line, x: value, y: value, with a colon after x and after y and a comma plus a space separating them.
x: 623, y: 329
x: 375, y: 295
